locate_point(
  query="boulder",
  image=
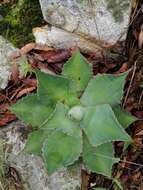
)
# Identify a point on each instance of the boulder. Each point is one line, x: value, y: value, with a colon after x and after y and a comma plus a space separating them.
x: 84, y: 23
x: 31, y: 168
x: 7, y: 50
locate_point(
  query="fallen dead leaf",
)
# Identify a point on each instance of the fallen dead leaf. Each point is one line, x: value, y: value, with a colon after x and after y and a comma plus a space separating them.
x: 85, y: 180
x: 43, y: 47
x: 14, y: 72
x: 55, y: 56
x: 25, y: 91
x: 140, y: 133
x: 27, y: 48
x: 140, y: 38
x: 6, y: 117
x: 123, y: 68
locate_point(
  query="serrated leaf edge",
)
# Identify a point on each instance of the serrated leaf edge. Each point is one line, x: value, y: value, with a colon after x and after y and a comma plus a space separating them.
x: 70, y: 163
x: 87, y: 62
x: 118, y: 75
x: 95, y: 154
x: 56, y: 76
x: 19, y: 101
x: 110, y: 140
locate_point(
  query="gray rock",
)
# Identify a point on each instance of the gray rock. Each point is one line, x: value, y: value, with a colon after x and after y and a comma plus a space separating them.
x: 98, y: 21
x: 61, y: 39
x: 6, y: 50
x: 31, y: 168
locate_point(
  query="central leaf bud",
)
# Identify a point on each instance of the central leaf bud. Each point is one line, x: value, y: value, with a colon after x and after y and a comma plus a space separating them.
x: 76, y: 113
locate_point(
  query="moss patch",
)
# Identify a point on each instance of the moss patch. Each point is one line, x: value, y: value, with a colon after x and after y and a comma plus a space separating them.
x: 19, y: 19
x: 117, y: 8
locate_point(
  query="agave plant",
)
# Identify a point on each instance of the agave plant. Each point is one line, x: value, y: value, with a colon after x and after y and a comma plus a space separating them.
x: 76, y: 115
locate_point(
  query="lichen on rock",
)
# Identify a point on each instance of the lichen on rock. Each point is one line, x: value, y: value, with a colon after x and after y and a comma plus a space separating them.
x: 97, y: 20
x: 5, y: 65
x: 6, y: 50
x: 118, y: 8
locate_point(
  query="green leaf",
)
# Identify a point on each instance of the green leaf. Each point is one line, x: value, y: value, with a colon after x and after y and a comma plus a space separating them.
x: 99, y: 159
x: 62, y: 150
x: 100, y: 188
x: 59, y: 120
x: 124, y: 117
x: 32, y: 110
x: 35, y: 141
x: 55, y: 88
x: 79, y: 71
x: 118, y: 183
x: 101, y: 126
x: 104, y: 89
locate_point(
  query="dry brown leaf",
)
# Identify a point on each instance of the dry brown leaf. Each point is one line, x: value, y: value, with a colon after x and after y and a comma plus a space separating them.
x: 25, y: 91
x: 55, y: 56
x: 28, y: 47
x: 6, y: 118
x: 123, y: 68
x: 43, y: 47
x: 14, y: 72
x: 140, y: 133
x: 140, y: 38
x: 85, y: 180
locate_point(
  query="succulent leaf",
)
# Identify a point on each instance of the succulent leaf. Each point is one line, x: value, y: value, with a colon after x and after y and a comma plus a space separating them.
x: 64, y: 119
x: 60, y: 121
x: 61, y: 150
x: 35, y: 141
x: 124, y: 117
x: 104, y: 89
x: 33, y: 110
x: 79, y: 70
x: 99, y: 159
x: 55, y: 88
x: 101, y: 126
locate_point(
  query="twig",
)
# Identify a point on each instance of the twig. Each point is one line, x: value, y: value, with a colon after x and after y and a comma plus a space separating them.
x: 130, y: 85
x: 140, y: 99
x: 1, y: 186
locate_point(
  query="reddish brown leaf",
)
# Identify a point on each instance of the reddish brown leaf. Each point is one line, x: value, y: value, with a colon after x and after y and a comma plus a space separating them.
x: 138, y: 128
x: 28, y: 81
x: 15, y: 92
x: 25, y: 91
x: 139, y: 114
x: 140, y: 38
x: 6, y: 118
x: 27, y: 48
x: 123, y: 68
x: 2, y: 97
x: 43, y: 47
x: 85, y: 180
x: 14, y: 72
x: 55, y: 56
x: 140, y: 133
